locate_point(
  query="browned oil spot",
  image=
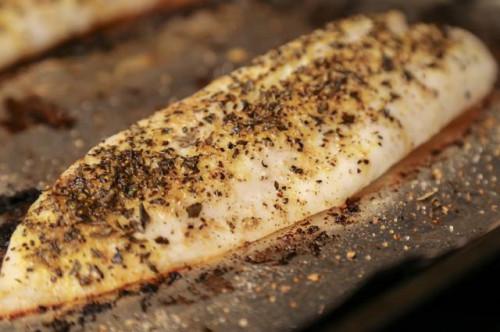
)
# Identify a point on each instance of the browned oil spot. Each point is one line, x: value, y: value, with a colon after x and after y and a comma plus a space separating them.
x: 217, y: 284
x: 94, y: 308
x: 306, y: 239
x: 33, y: 110
x: 175, y: 300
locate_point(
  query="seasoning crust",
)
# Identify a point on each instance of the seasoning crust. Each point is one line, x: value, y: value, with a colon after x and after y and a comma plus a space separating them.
x: 296, y: 132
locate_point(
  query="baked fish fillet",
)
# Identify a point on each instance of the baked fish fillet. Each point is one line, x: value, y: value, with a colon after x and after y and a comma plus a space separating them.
x: 28, y: 27
x: 296, y: 132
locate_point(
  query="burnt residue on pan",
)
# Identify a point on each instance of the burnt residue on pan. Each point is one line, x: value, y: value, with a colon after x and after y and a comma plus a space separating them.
x: 443, y: 195
x: 12, y: 210
x: 33, y: 110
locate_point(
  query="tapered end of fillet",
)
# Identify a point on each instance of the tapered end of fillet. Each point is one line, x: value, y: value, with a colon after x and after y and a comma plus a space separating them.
x: 33, y: 281
x: 137, y: 207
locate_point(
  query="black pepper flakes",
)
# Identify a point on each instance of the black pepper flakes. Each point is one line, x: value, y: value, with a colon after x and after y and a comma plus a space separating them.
x: 194, y: 210
x: 162, y: 240
x: 296, y: 170
x: 408, y: 75
x: 387, y: 63
x: 144, y: 217
x: 191, y: 164
x: 117, y: 257
x: 348, y: 119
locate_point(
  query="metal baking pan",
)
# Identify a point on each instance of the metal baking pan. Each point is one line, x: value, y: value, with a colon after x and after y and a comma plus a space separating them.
x: 440, y: 198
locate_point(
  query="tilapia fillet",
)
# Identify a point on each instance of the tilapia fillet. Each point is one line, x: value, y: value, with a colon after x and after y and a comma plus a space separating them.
x: 28, y: 27
x: 296, y: 132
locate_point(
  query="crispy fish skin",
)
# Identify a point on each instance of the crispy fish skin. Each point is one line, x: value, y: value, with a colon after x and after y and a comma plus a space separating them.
x: 28, y: 27
x: 296, y: 132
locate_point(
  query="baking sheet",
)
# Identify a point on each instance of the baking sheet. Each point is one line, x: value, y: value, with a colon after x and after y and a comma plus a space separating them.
x: 441, y: 197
